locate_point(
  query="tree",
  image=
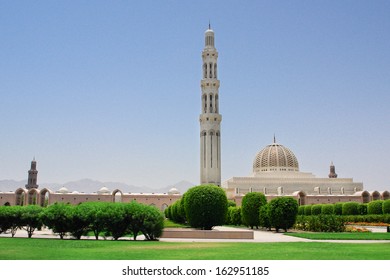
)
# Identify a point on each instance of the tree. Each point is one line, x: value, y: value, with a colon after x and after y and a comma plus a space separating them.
x: 153, y: 223
x: 57, y: 217
x: 283, y: 212
x: 264, y: 220
x: 79, y: 221
x: 31, y: 218
x: 250, y: 208
x: 116, y: 220
x: 95, y: 216
x: 205, y: 206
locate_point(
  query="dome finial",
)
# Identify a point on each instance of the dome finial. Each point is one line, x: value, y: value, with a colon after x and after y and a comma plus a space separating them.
x: 274, y: 138
x: 209, y: 24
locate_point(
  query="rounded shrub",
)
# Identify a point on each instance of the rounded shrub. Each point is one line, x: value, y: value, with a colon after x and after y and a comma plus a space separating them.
x: 375, y: 207
x: 327, y: 209
x: 283, y: 212
x: 205, y: 206
x: 386, y: 207
x: 350, y: 208
x: 301, y: 210
x: 363, y: 208
x: 264, y: 220
x: 316, y: 209
x: 234, y: 215
x: 308, y: 210
x: 250, y: 208
x: 338, y: 208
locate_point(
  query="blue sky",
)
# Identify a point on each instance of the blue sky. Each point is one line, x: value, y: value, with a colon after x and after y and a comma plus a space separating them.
x: 110, y: 90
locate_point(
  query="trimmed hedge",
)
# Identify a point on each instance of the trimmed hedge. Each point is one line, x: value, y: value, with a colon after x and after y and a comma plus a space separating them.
x: 316, y: 209
x: 327, y: 209
x: 308, y: 210
x: 320, y: 223
x: 386, y: 207
x: 362, y: 209
x: 205, y: 206
x: 250, y: 208
x: 301, y: 210
x: 375, y: 207
x: 350, y: 208
x: 282, y: 212
x: 338, y: 208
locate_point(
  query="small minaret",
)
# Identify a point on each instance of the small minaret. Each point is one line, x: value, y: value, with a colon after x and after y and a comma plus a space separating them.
x: 32, y: 176
x: 210, y: 119
x: 332, y: 173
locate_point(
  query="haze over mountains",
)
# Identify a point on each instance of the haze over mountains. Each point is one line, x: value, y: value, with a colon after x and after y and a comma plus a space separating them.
x: 90, y: 186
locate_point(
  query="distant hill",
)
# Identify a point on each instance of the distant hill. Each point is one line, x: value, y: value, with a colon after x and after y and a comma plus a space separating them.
x: 90, y: 186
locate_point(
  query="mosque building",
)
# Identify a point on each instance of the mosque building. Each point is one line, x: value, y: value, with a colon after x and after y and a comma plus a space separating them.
x: 275, y: 167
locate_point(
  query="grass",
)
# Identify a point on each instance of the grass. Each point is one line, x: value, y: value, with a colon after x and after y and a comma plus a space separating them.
x: 56, y: 249
x: 342, y: 235
x: 170, y: 224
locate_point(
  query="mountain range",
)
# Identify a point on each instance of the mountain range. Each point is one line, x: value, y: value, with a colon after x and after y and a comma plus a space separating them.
x: 90, y: 186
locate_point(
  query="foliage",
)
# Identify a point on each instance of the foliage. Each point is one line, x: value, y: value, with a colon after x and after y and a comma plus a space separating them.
x: 386, y: 207
x: 320, y: 223
x: 350, y: 208
x: 375, y: 207
x: 250, y: 208
x: 367, y: 218
x: 205, y: 206
x: 153, y: 223
x: 116, y: 221
x: 316, y: 209
x: 57, y: 217
x: 31, y: 218
x: 327, y: 209
x: 308, y: 210
x: 10, y: 219
x: 233, y: 216
x: 231, y: 203
x: 362, y: 209
x: 264, y: 217
x: 338, y: 208
x: 301, y: 210
x: 283, y: 212
x: 342, y: 236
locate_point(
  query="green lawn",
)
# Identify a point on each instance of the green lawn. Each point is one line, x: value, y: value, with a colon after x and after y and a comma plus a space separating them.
x: 342, y: 235
x: 56, y: 249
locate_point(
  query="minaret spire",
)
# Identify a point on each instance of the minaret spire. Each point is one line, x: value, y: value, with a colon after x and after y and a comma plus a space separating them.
x: 32, y: 176
x: 210, y: 119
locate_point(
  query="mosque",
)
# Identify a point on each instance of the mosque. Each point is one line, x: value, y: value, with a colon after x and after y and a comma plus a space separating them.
x: 275, y: 167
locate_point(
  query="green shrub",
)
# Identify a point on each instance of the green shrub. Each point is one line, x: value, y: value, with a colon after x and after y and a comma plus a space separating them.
x: 316, y: 209
x: 338, y: 208
x: 205, y: 206
x: 375, y: 207
x: 264, y: 219
x: 231, y: 203
x: 234, y: 215
x: 350, y: 208
x: 283, y: 212
x: 301, y: 210
x: 250, y: 208
x: 31, y: 218
x: 308, y: 210
x: 320, y: 223
x: 153, y: 223
x: 386, y: 207
x: 327, y: 209
x: 10, y: 219
x: 58, y: 217
x: 362, y: 209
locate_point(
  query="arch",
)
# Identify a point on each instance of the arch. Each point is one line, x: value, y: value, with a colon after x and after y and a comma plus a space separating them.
x: 204, y: 101
x: 301, y: 196
x: 164, y: 206
x: 385, y: 195
x: 215, y: 70
x: 7, y: 204
x: 205, y: 70
x: 210, y: 70
x: 375, y: 195
x: 117, y: 195
x: 44, y: 197
x: 365, y: 197
x: 20, y: 196
x: 216, y: 103
x: 32, y: 197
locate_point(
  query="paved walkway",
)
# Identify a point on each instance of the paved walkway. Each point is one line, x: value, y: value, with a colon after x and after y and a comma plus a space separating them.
x: 259, y: 236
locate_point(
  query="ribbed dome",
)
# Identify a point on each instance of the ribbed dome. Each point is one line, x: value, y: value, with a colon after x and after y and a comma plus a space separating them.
x: 275, y: 157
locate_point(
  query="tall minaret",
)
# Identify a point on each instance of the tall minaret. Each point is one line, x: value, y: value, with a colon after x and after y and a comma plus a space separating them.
x: 32, y: 176
x: 332, y: 172
x: 210, y: 119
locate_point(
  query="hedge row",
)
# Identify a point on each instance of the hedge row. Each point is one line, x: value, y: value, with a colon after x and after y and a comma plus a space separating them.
x: 112, y: 219
x: 376, y: 207
x: 335, y: 223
